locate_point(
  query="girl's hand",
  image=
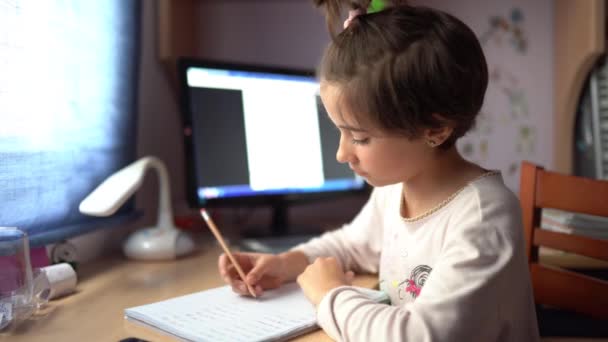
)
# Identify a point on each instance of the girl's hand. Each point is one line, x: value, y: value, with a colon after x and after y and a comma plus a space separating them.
x: 321, y: 277
x: 262, y: 271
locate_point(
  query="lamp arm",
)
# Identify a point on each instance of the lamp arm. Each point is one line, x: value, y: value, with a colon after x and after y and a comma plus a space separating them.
x: 165, y: 212
x: 107, y: 198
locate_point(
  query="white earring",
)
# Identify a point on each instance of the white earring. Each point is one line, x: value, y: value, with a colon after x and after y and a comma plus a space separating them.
x: 431, y: 143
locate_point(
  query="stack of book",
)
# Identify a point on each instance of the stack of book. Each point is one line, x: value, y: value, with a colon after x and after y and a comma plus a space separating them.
x: 575, y: 223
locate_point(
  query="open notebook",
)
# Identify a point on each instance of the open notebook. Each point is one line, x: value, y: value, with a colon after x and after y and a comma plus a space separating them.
x: 220, y: 314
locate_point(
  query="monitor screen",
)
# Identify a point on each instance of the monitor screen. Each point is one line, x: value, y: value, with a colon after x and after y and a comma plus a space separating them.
x: 254, y: 133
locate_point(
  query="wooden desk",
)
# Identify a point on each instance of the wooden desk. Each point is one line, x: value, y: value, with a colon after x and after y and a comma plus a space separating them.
x: 107, y: 287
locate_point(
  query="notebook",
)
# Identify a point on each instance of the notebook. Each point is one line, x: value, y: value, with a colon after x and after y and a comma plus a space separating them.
x: 219, y: 315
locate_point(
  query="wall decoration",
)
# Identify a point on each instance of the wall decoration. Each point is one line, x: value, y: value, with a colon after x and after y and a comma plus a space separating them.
x: 515, y: 122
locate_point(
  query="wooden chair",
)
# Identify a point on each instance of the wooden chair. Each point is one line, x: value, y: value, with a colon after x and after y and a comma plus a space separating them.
x: 554, y: 286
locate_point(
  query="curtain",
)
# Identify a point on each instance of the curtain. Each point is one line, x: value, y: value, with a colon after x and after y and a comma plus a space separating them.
x: 68, y: 108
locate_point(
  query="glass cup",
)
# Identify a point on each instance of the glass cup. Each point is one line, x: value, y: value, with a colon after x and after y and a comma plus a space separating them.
x: 17, y: 301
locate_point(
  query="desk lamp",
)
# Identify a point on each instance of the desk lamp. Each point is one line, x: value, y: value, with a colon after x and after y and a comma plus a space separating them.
x: 160, y: 242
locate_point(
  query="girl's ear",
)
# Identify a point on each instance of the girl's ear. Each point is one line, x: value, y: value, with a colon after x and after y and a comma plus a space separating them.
x: 437, y: 136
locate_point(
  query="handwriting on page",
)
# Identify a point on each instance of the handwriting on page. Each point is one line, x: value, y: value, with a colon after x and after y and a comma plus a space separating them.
x: 221, y: 315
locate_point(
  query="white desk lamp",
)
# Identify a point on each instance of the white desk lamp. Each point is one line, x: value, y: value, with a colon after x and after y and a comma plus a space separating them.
x: 160, y: 242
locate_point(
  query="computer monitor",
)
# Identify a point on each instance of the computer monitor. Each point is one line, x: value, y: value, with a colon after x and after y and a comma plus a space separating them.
x: 258, y: 135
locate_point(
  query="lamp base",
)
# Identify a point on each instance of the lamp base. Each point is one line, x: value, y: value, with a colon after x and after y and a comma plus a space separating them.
x: 158, y: 243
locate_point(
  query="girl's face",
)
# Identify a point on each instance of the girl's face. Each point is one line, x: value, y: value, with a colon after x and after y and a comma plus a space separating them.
x: 380, y: 158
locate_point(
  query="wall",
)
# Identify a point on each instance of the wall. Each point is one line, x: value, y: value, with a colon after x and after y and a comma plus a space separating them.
x: 516, y: 121
x: 283, y: 33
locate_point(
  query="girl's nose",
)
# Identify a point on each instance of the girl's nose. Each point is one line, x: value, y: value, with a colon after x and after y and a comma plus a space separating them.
x: 343, y: 155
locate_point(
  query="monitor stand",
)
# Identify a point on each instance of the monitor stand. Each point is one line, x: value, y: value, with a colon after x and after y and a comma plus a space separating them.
x: 279, y: 224
x: 280, y: 239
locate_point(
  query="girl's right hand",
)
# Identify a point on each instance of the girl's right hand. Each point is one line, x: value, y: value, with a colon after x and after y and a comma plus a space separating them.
x: 262, y: 272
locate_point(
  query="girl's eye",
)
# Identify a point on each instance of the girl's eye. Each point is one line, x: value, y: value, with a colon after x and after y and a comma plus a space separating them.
x: 360, y: 141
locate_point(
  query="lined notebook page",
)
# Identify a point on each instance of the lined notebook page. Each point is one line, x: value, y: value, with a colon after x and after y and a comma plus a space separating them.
x: 221, y: 315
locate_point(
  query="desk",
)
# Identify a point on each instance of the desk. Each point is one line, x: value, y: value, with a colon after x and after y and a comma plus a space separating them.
x: 107, y: 287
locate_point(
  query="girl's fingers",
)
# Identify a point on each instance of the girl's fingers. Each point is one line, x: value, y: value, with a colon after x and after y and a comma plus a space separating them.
x: 233, y: 273
x: 224, y: 264
x: 224, y: 261
x: 258, y: 290
x: 257, y: 272
x: 350, y: 276
x: 226, y: 267
x: 270, y: 282
x: 239, y: 287
x: 221, y: 265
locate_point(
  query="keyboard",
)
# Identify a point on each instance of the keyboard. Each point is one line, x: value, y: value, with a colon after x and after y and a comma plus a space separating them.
x: 274, y: 245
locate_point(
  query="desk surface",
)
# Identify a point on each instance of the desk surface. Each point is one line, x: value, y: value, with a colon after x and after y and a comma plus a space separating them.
x: 106, y: 288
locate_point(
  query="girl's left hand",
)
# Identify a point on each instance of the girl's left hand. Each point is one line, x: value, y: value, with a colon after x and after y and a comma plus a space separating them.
x: 322, y: 276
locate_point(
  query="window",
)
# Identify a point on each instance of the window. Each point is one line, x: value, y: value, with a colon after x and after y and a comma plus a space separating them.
x: 68, y: 86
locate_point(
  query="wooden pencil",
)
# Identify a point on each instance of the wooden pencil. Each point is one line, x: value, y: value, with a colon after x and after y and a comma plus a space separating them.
x: 220, y: 239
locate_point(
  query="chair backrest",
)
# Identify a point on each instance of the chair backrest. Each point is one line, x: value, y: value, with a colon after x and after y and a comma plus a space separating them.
x: 554, y: 286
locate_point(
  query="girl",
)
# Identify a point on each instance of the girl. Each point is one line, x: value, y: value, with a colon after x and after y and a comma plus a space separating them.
x: 445, y: 235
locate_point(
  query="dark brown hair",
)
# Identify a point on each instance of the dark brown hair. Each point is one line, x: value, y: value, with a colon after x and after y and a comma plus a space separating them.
x: 406, y: 68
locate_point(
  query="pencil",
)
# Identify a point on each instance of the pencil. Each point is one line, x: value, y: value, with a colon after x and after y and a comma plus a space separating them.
x: 220, y: 239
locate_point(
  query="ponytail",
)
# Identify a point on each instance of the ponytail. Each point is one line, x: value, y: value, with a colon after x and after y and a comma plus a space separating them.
x: 333, y: 10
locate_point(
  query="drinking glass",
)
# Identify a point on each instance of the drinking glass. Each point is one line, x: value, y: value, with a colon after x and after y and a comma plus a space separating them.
x: 16, y: 278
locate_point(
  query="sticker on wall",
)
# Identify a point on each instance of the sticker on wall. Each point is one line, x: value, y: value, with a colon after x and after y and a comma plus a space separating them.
x: 526, y: 140
x: 467, y: 150
x: 509, y: 29
x: 513, y: 168
x: 484, y: 123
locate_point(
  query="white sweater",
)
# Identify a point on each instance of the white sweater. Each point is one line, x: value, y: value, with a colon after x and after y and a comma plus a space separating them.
x: 456, y: 274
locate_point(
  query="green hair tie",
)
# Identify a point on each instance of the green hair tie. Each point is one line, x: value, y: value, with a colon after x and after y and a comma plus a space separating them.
x: 376, y: 6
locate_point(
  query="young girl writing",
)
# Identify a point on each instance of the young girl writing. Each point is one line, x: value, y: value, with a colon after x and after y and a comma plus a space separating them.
x: 445, y: 235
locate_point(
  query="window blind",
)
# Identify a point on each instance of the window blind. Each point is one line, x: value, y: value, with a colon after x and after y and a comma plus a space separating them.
x: 68, y: 106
